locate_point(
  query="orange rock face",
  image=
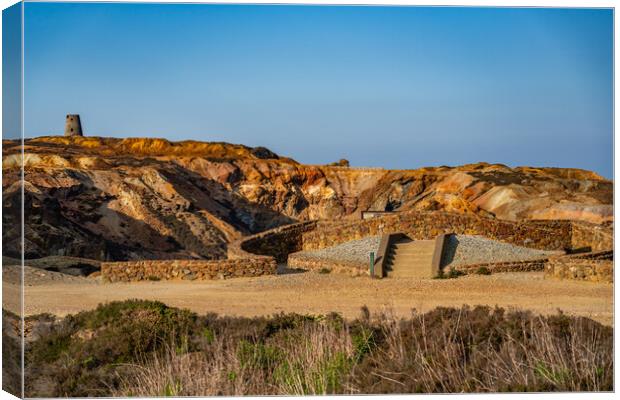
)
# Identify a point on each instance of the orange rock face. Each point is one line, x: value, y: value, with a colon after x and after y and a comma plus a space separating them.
x: 120, y: 199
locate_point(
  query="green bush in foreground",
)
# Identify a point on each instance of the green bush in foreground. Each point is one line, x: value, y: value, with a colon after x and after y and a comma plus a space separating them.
x: 141, y: 348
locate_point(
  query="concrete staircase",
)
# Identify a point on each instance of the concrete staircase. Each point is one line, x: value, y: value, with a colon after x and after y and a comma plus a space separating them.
x: 408, y: 258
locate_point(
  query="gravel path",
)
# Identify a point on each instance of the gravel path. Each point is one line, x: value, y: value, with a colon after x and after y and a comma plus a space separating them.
x: 354, y: 251
x: 465, y: 249
x: 37, y: 276
x: 67, y: 265
x: 313, y: 293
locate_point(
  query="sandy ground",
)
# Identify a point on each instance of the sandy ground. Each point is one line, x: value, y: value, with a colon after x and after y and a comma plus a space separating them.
x: 315, y: 293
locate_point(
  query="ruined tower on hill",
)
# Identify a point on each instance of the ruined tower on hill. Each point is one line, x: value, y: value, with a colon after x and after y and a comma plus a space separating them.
x: 73, y: 126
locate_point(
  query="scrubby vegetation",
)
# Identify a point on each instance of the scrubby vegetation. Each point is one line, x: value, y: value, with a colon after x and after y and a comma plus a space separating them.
x: 140, y: 348
x: 483, y: 271
x: 451, y: 274
x: 11, y: 354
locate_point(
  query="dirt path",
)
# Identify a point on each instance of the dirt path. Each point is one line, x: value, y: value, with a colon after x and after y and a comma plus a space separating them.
x: 322, y: 293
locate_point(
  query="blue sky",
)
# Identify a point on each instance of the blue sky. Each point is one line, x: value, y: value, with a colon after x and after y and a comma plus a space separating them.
x: 11, y: 71
x: 397, y: 87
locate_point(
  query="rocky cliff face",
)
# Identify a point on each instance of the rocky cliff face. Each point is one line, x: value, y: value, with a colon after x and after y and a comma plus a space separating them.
x: 120, y: 199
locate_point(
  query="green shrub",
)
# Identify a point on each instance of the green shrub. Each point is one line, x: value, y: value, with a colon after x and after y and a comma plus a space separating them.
x: 51, y: 347
x: 172, y: 389
x: 85, y: 345
x: 112, y: 350
x: 452, y: 273
x: 325, y: 271
x: 483, y: 271
x: 363, y: 342
x: 208, y: 335
x: 455, y: 273
x: 258, y: 355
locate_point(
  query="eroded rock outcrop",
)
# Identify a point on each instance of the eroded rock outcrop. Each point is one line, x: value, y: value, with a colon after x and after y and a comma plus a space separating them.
x: 117, y: 199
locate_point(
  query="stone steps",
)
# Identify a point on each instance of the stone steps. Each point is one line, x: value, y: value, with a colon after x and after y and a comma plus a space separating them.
x: 411, y: 259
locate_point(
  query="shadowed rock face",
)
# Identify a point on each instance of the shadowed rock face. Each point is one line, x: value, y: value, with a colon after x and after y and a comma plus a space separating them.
x: 117, y: 199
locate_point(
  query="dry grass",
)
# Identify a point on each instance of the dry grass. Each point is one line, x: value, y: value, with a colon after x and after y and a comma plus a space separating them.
x: 446, y: 350
x: 528, y: 353
x: 141, y: 348
x: 306, y: 363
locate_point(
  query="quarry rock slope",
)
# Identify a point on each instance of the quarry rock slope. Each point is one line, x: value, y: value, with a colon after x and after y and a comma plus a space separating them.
x: 124, y: 199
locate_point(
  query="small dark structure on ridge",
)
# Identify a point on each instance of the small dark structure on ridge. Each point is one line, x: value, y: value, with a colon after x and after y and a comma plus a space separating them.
x: 73, y: 126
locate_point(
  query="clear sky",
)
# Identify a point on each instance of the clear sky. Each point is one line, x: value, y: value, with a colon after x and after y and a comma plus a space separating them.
x: 396, y: 87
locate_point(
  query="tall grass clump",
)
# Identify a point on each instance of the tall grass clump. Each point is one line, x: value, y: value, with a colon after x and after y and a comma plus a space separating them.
x: 484, y: 350
x: 446, y: 350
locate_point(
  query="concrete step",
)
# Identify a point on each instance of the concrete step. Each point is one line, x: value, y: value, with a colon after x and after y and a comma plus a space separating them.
x: 413, y: 243
x: 412, y: 253
x: 414, y: 248
x: 411, y: 259
x: 402, y: 245
x: 408, y: 261
x: 408, y: 247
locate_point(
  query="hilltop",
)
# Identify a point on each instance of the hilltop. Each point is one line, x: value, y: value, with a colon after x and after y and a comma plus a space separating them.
x: 107, y: 198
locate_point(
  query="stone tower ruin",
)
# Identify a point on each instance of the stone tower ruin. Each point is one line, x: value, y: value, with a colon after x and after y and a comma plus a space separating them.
x: 73, y: 126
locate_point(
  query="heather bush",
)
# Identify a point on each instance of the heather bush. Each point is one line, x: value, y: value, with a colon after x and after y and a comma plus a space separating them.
x: 148, y: 349
x: 83, y: 350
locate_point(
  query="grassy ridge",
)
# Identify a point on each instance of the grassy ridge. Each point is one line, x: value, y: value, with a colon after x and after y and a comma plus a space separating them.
x: 140, y: 348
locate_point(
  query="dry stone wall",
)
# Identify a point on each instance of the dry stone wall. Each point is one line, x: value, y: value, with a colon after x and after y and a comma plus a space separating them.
x: 585, y: 235
x: 505, y: 266
x: 251, y: 256
x: 259, y: 254
x: 592, y: 267
x: 545, y: 235
x: 277, y: 243
x: 130, y: 271
x: 328, y: 266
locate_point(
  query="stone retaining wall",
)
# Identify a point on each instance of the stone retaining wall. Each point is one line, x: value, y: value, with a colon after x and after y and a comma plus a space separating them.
x: 356, y: 269
x: 588, y: 235
x: 130, y: 271
x: 250, y: 256
x: 505, y: 266
x: 597, y: 255
x: 421, y: 225
x: 333, y: 266
x: 259, y: 254
x: 593, y: 267
x: 277, y: 243
x: 544, y: 235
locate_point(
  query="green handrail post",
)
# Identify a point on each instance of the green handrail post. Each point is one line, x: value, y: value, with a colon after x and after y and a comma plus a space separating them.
x: 372, y: 264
